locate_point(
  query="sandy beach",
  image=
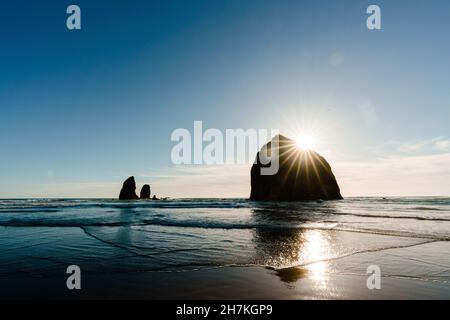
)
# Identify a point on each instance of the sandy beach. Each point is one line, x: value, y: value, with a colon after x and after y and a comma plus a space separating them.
x: 256, y: 282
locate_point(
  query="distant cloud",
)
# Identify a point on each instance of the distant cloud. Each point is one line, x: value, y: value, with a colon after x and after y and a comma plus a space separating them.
x: 443, y: 144
x: 434, y: 144
x: 401, y: 175
x: 397, y: 168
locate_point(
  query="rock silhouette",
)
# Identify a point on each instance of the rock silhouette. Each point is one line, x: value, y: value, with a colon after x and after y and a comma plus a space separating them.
x: 145, y: 192
x: 303, y: 175
x: 128, y: 191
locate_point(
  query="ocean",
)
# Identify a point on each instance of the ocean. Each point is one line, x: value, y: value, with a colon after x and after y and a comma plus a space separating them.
x: 39, y: 238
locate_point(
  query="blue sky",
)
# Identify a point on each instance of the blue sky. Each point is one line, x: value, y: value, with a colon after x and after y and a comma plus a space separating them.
x: 82, y: 110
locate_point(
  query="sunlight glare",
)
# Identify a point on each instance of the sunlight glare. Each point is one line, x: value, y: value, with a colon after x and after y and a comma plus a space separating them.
x: 305, y: 141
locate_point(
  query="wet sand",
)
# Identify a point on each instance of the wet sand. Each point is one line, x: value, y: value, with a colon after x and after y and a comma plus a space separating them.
x: 323, y: 280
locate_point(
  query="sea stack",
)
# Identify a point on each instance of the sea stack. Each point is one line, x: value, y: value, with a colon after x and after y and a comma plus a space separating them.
x: 303, y: 175
x: 128, y: 191
x: 145, y: 192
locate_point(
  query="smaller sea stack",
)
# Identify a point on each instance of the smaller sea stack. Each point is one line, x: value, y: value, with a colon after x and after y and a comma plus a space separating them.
x: 128, y: 191
x: 145, y: 192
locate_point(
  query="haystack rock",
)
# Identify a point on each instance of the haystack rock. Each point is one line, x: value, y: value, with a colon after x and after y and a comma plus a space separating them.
x: 145, y: 192
x: 128, y: 191
x: 303, y: 175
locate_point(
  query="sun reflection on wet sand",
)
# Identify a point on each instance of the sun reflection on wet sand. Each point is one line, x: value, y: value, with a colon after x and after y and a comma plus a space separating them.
x: 298, y: 256
x: 316, y: 248
x: 318, y: 271
x: 305, y: 254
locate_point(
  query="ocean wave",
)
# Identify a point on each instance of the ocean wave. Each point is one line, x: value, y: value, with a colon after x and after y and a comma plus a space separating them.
x: 35, y: 210
x: 368, y: 215
x: 391, y: 216
x: 426, y: 209
x: 221, y: 225
x: 43, y: 206
x: 60, y: 223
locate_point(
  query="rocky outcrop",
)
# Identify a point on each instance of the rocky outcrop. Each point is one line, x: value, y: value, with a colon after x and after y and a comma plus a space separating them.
x: 145, y: 192
x: 303, y: 175
x: 128, y: 191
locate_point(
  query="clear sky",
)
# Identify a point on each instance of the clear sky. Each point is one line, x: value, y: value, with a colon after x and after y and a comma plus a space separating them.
x: 82, y: 110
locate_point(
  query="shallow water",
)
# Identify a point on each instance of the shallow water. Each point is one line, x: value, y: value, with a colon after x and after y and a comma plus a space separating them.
x: 39, y: 237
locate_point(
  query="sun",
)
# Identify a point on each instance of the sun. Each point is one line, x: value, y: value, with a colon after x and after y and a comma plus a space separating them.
x: 305, y: 141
